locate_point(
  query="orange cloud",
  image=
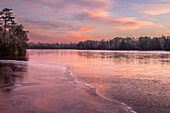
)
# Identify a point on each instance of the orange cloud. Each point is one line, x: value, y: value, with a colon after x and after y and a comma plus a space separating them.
x: 76, y: 36
x: 86, y: 29
x: 167, y: 32
x: 53, y: 36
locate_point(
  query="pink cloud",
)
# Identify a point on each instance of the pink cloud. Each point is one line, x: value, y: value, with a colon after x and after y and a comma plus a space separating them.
x: 163, y: 0
x: 53, y: 6
x: 152, y: 9
x: 56, y: 25
x: 70, y: 20
x: 88, y: 10
x: 123, y: 23
x: 83, y: 4
x: 56, y: 32
x: 136, y: 25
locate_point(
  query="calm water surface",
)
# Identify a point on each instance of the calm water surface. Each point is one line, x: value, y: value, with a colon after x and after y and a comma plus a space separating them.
x: 141, y: 79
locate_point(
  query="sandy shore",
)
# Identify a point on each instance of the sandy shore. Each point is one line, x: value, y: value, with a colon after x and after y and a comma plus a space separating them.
x: 46, y: 88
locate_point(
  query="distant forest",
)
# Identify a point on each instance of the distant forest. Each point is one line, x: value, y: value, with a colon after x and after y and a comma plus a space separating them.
x: 118, y: 43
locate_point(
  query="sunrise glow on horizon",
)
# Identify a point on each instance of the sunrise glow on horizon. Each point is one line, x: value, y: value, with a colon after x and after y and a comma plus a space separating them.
x: 78, y: 20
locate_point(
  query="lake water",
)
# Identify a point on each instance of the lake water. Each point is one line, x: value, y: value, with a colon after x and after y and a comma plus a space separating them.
x: 140, y: 79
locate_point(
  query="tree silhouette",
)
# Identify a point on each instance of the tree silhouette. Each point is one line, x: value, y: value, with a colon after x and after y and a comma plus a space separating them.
x: 117, y: 43
x: 13, y: 36
x: 6, y: 19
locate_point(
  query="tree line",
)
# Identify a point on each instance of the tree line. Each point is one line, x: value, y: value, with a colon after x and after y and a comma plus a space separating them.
x: 117, y: 43
x: 13, y: 37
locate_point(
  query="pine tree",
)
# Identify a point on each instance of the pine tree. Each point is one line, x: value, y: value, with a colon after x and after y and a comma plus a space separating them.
x: 6, y: 19
x: 13, y: 36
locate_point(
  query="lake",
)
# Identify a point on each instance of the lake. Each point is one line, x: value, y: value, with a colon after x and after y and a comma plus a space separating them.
x: 141, y: 79
x: 138, y: 79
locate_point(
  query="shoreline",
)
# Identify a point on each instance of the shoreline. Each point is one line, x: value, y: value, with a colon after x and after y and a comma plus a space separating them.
x: 128, y: 108
x: 100, y: 50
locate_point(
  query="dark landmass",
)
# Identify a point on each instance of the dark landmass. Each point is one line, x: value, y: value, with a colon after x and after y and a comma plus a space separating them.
x: 118, y: 43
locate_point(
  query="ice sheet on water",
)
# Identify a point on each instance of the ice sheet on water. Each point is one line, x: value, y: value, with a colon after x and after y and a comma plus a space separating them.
x: 48, y: 88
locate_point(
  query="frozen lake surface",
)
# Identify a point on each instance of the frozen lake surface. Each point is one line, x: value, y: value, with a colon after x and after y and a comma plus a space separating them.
x: 109, y: 80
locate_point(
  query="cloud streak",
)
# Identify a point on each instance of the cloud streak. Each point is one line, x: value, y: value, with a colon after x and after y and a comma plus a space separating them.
x: 57, y: 25
x: 152, y: 9
x: 123, y: 23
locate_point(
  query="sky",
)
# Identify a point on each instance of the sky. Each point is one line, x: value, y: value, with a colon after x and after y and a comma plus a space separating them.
x: 70, y: 21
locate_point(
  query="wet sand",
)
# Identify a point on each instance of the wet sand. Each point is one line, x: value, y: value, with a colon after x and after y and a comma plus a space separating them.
x: 30, y: 87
